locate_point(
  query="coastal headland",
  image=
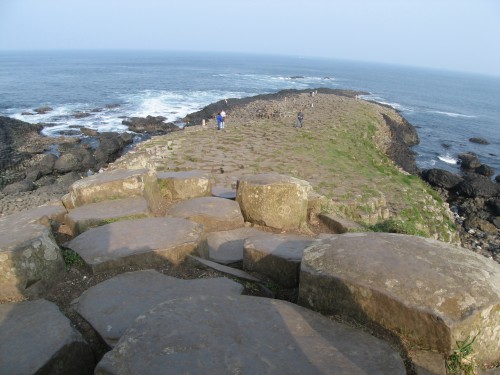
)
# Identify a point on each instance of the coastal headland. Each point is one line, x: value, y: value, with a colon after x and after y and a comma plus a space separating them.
x: 351, y: 162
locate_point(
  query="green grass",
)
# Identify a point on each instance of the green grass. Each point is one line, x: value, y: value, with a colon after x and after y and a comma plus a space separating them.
x: 71, y: 259
x: 461, y: 361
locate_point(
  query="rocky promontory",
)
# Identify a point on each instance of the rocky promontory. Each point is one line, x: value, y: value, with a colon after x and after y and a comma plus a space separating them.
x: 138, y: 257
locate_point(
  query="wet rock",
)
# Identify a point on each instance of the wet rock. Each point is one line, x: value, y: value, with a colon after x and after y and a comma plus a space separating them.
x: 43, y: 110
x: 485, y: 170
x: 150, y: 124
x: 475, y: 185
x: 441, y: 178
x: 479, y: 140
x: 469, y: 160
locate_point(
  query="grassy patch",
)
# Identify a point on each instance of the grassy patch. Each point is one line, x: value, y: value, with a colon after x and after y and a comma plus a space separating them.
x: 71, y: 259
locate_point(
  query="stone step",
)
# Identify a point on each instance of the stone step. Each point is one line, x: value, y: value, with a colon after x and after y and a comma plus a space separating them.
x: 224, y: 192
x: 91, y: 215
x: 184, y: 185
x: 216, y: 214
x: 431, y: 292
x: 276, y: 256
x: 113, y: 305
x: 245, y: 335
x: 204, y: 263
x: 142, y: 243
x: 226, y: 247
x: 36, y: 338
x: 115, y: 184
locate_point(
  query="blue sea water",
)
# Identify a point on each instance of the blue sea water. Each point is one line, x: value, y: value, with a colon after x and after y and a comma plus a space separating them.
x: 447, y: 108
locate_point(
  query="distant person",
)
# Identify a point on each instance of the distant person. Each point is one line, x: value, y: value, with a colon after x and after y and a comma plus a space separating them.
x: 220, y: 121
x: 300, y: 117
x: 223, y: 114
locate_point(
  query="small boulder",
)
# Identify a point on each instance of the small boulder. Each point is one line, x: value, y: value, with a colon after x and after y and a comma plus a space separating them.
x: 19, y: 187
x: 441, y: 178
x: 475, y: 185
x: 469, y: 160
x: 479, y: 140
x: 184, y: 185
x: 485, y: 170
x: 274, y: 200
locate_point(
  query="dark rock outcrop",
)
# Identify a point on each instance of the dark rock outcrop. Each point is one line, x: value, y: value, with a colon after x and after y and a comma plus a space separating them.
x: 403, y: 137
x: 150, y: 124
x: 441, y: 178
x: 475, y: 185
x: 469, y: 161
x: 485, y: 170
x: 479, y: 140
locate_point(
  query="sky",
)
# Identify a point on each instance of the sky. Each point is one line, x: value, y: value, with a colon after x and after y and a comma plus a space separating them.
x: 457, y: 35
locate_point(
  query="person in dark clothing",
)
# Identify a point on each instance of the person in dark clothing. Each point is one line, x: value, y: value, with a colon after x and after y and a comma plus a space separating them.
x: 300, y: 117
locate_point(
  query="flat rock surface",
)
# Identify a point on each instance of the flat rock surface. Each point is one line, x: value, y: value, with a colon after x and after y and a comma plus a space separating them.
x: 244, y: 335
x: 36, y: 338
x: 431, y: 292
x: 42, y: 214
x: 111, y: 306
x: 142, y: 241
x: 94, y: 214
x: 215, y: 214
x: 226, y: 247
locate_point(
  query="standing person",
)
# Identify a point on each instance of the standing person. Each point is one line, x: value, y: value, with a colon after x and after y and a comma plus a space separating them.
x: 300, y: 117
x: 220, y: 123
x: 223, y: 114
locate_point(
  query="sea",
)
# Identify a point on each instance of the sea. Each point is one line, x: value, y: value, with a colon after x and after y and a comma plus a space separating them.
x: 98, y: 89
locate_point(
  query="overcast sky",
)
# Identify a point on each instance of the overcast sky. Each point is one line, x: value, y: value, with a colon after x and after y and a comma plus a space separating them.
x: 461, y: 35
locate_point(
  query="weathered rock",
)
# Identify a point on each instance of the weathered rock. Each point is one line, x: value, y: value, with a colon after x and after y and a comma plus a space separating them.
x: 184, y: 185
x: 89, y: 132
x: 46, y: 165
x: 150, y: 124
x: 244, y: 335
x: 109, y: 149
x: 114, y: 184
x: 276, y: 256
x: 43, y: 110
x: 30, y: 260
x: 91, y: 215
x: 485, y: 170
x: 112, y: 306
x: 216, y: 214
x: 273, y: 200
x: 403, y: 137
x: 468, y: 161
x: 226, y: 247
x: 67, y: 163
x: 36, y: 338
x: 338, y: 224
x: 432, y: 293
x: 475, y: 185
x: 441, y: 178
x: 479, y: 140
x: 142, y: 243
x: 19, y: 187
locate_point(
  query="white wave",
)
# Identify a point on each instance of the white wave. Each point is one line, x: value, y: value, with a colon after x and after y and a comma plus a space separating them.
x: 452, y: 114
x: 448, y: 159
x: 378, y: 99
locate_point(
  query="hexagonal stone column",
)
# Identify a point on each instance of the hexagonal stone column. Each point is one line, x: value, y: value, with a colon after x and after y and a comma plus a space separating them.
x: 184, y: 185
x: 431, y: 292
x: 36, y: 338
x: 273, y: 200
x: 116, y: 184
x: 245, y: 335
x: 141, y: 243
x: 277, y: 256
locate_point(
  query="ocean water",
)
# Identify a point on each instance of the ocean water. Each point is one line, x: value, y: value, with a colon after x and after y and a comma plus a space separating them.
x: 446, y: 108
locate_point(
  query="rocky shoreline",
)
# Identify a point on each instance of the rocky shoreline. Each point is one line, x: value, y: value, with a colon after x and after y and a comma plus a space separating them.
x: 35, y: 169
